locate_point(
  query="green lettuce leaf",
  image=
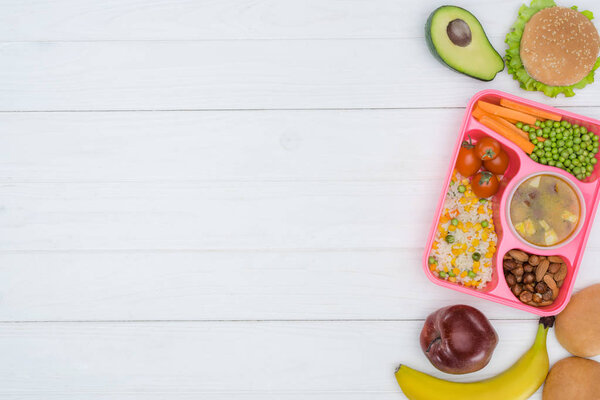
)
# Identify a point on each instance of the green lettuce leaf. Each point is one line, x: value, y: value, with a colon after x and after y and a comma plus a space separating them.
x: 513, y: 59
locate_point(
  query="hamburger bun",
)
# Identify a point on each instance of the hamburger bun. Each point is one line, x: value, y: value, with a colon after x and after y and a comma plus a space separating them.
x: 559, y: 46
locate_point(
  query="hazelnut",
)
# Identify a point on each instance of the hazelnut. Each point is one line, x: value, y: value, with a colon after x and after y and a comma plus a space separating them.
x: 525, y: 296
x: 541, y: 287
x: 518, y: 288
x: 511, y: 280
x: 528, y: 278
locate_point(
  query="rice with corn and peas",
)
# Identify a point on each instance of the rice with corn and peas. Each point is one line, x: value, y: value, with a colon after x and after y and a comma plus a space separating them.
x: 465, y: 239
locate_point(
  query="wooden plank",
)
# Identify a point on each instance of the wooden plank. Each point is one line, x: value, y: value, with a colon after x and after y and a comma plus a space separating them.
x: 250, y: 74
x: 27, y: 20
x: 217, y: 216
x: 214, y: 215
x: 374, y: 145
x: 214, y: 360
x: 240, y: 285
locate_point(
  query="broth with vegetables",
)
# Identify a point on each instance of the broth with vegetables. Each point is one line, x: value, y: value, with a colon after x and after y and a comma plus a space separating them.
x: 545, y: 210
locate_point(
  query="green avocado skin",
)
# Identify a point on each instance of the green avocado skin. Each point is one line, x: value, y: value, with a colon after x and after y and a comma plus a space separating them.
x: 434, y: 52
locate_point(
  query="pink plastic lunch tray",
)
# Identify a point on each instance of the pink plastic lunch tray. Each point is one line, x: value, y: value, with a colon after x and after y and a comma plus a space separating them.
x: 520, y: 166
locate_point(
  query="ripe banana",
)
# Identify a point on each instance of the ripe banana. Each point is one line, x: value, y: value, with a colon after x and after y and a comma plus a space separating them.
x: 518, y: 382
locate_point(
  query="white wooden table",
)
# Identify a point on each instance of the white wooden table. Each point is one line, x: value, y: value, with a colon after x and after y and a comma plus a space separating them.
x: 229, y: 199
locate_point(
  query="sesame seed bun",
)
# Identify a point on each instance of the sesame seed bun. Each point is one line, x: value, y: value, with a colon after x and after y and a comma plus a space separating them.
x: 559, y: 46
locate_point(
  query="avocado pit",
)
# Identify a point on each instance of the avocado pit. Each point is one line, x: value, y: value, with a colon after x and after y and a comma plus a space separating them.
x: 459, y: 32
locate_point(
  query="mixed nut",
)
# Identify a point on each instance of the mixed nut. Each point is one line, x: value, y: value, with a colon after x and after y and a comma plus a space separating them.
x: 534, y: 279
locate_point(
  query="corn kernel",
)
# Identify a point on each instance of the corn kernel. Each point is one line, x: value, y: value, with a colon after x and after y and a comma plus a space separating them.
x: 445, y: 269
x: 477, y: 227
x: 465, y: 181
x: 451, y: 228
x: 463, y: 200
x: 480, y: 210
x: 471, y: 249
x: 452, y: 279
x: 434, y: 245
x: 475, y: 242
x: 468, y: 208
x: 469, y: 225
x: 489, y: 255
x: 433, y: 267
x: 468, y: 194
x: 484, y: 236
x: 444, y: 219
x: 463, y: 274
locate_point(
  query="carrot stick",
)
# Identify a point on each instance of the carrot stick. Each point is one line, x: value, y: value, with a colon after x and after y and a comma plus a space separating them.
x: 536, y: 112
x: 541, y: 139
x: 497, y: 127
x: 478, y: 113
x: 510, y: 126
x: 506, y: 112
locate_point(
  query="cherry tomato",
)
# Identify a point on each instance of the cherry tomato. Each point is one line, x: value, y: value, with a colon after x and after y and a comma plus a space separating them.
x: 497, y: 165
x: 487, y: 148
x: 484, y: 184
x: 467, y: 162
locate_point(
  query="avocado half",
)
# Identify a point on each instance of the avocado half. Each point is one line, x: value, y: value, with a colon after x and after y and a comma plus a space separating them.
x: 457, y: 39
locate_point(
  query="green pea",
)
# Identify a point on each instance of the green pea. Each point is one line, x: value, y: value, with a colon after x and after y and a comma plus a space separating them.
x: 519, y: 125
x: 589, y: 147
x: 556, y: 124
x: 564, y: 123
x: 555, y: 157
x: 454, y: 221
x: 595, y: 151
x: 450, y: 273
x: 583, y: 129
x: 534, y: 141
x: 590, y: 168
x: 551, y: 163
x: 546, y: 130
x: 543, y: 161
x: 532, y: 136
x: 442, y: 274
x: 593, y: 161
x: 525, y: 128
x: 484, y: 223
x: 483, y: 201
x: 476, y: 256
x: 472, y: 274
x: 576, y: 147
x: 580, y: 177
x: 538, y: 123
x: 595, y: 138
x: 576, y: 131
x: 540, y: 153
x: 559, y: 164
x: 449, y: 239
x: 534, y: 157
x: 462, y: 189
x: 432, y: 260
x: 561, y: 159
x: 567, y: 163
x: 577, y: 170
x: 559, y: 135
x: 545, y: 135
x: 569, y: 143
x: 539, y: 145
